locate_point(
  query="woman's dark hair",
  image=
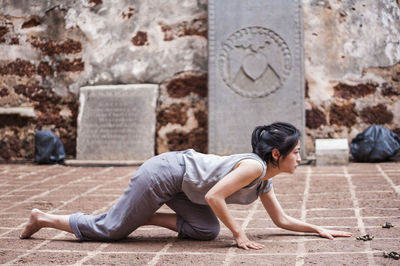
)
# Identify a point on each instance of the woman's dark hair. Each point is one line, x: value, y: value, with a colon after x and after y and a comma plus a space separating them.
x: 280, y: 135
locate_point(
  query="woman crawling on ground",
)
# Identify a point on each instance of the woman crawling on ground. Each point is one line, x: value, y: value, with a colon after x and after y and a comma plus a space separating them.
x: 197, y: 187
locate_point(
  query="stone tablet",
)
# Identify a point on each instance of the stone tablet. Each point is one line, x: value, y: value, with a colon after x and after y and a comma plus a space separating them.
x: 256, y: 72
x: 117, y: 122
x: 331, y: 152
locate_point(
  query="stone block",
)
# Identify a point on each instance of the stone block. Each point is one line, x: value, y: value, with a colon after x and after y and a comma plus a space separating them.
x: 256, y: 70
x: 21, y: 111
x: 331, y: 152
x: 117, y: 122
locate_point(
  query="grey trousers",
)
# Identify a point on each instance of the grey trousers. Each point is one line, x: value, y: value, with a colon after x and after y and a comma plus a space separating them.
x: 158, y: 181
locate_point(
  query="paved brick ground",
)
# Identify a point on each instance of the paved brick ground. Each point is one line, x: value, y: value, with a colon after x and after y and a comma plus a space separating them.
x: 358, y: 198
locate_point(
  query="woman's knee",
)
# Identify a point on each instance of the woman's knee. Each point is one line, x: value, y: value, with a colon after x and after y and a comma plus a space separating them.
x: 211, y: 233
x: 208, y: 233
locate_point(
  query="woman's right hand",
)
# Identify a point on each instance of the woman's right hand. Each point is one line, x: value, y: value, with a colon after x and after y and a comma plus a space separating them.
x: 243, y: 242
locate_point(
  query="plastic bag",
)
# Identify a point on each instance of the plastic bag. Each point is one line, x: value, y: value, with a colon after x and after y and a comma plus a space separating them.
x: 48, y: 148
x: 375, y: 144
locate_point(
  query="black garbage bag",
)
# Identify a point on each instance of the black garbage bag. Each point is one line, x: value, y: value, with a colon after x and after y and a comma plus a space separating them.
x: 375, y: 144
x: 48, y: 148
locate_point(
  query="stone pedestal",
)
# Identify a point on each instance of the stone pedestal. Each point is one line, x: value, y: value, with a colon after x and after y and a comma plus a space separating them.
x: 117, y: 123
x: 331, y: 152
x: 256, y: 70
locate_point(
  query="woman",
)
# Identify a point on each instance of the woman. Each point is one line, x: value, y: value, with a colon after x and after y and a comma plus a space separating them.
x: 198, y: 188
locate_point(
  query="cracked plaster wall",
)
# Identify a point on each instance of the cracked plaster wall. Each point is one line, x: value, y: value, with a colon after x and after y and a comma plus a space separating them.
x: 352, y: 63
x: 51, y: 48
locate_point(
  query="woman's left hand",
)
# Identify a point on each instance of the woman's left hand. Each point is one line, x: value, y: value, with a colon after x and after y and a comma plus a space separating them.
x: 327, y: 233
x: 243, y: 242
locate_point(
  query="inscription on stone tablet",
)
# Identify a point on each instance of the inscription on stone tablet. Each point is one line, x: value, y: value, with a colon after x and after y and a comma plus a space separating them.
x: 117, y: 122
x: 110, y: 126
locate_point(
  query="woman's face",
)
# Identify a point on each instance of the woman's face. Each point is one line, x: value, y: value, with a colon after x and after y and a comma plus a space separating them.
x: 291, y: 161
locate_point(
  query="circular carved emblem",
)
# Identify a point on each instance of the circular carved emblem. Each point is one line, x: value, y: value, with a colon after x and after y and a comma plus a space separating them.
x: 254, y: 62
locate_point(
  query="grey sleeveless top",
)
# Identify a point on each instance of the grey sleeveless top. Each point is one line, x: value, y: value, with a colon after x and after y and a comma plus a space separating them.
x: 203, y: 171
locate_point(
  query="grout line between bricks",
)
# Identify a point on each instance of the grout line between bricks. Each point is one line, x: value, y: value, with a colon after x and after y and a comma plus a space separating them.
x: 38, y: 182
x: 301, y: 249
x: 356, y: 205
x: 286, y: 209
x: 14, y: 167
x: 35, y: 248
x: 388, y: 179
x: 5, y: 171
x: 161, y: 252
x: 92, y: 254
x: 231, y: 251
x: 38, y: 171
x: 277, y: 241
x: 199, y: 253
x: 330, y: 193
x: 149, y: 229
x: 357, y: 213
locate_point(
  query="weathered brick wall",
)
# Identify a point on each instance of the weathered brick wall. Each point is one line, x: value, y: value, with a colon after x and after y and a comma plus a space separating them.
x: 352, y: 58
x: 49, y: 49
x: 34, y: 60
x: 182, y: 113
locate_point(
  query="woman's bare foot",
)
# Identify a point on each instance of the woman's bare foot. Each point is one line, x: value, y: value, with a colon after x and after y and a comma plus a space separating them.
x: 34, y: 224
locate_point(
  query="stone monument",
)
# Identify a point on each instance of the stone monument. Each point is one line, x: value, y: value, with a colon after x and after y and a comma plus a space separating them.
x: 256, y: 72
x: 117, y: 123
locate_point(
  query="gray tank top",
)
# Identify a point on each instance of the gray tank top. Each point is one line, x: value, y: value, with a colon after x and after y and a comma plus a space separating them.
x: 203, y: 171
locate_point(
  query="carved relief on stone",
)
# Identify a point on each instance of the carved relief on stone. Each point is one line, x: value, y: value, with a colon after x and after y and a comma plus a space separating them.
x: 254, y: 62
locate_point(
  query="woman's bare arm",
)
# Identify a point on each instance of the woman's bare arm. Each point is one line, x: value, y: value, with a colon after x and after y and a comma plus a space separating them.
x: 246, y: 172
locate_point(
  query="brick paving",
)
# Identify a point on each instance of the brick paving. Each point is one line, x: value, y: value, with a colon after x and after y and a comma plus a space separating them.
x: 357, y: 198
